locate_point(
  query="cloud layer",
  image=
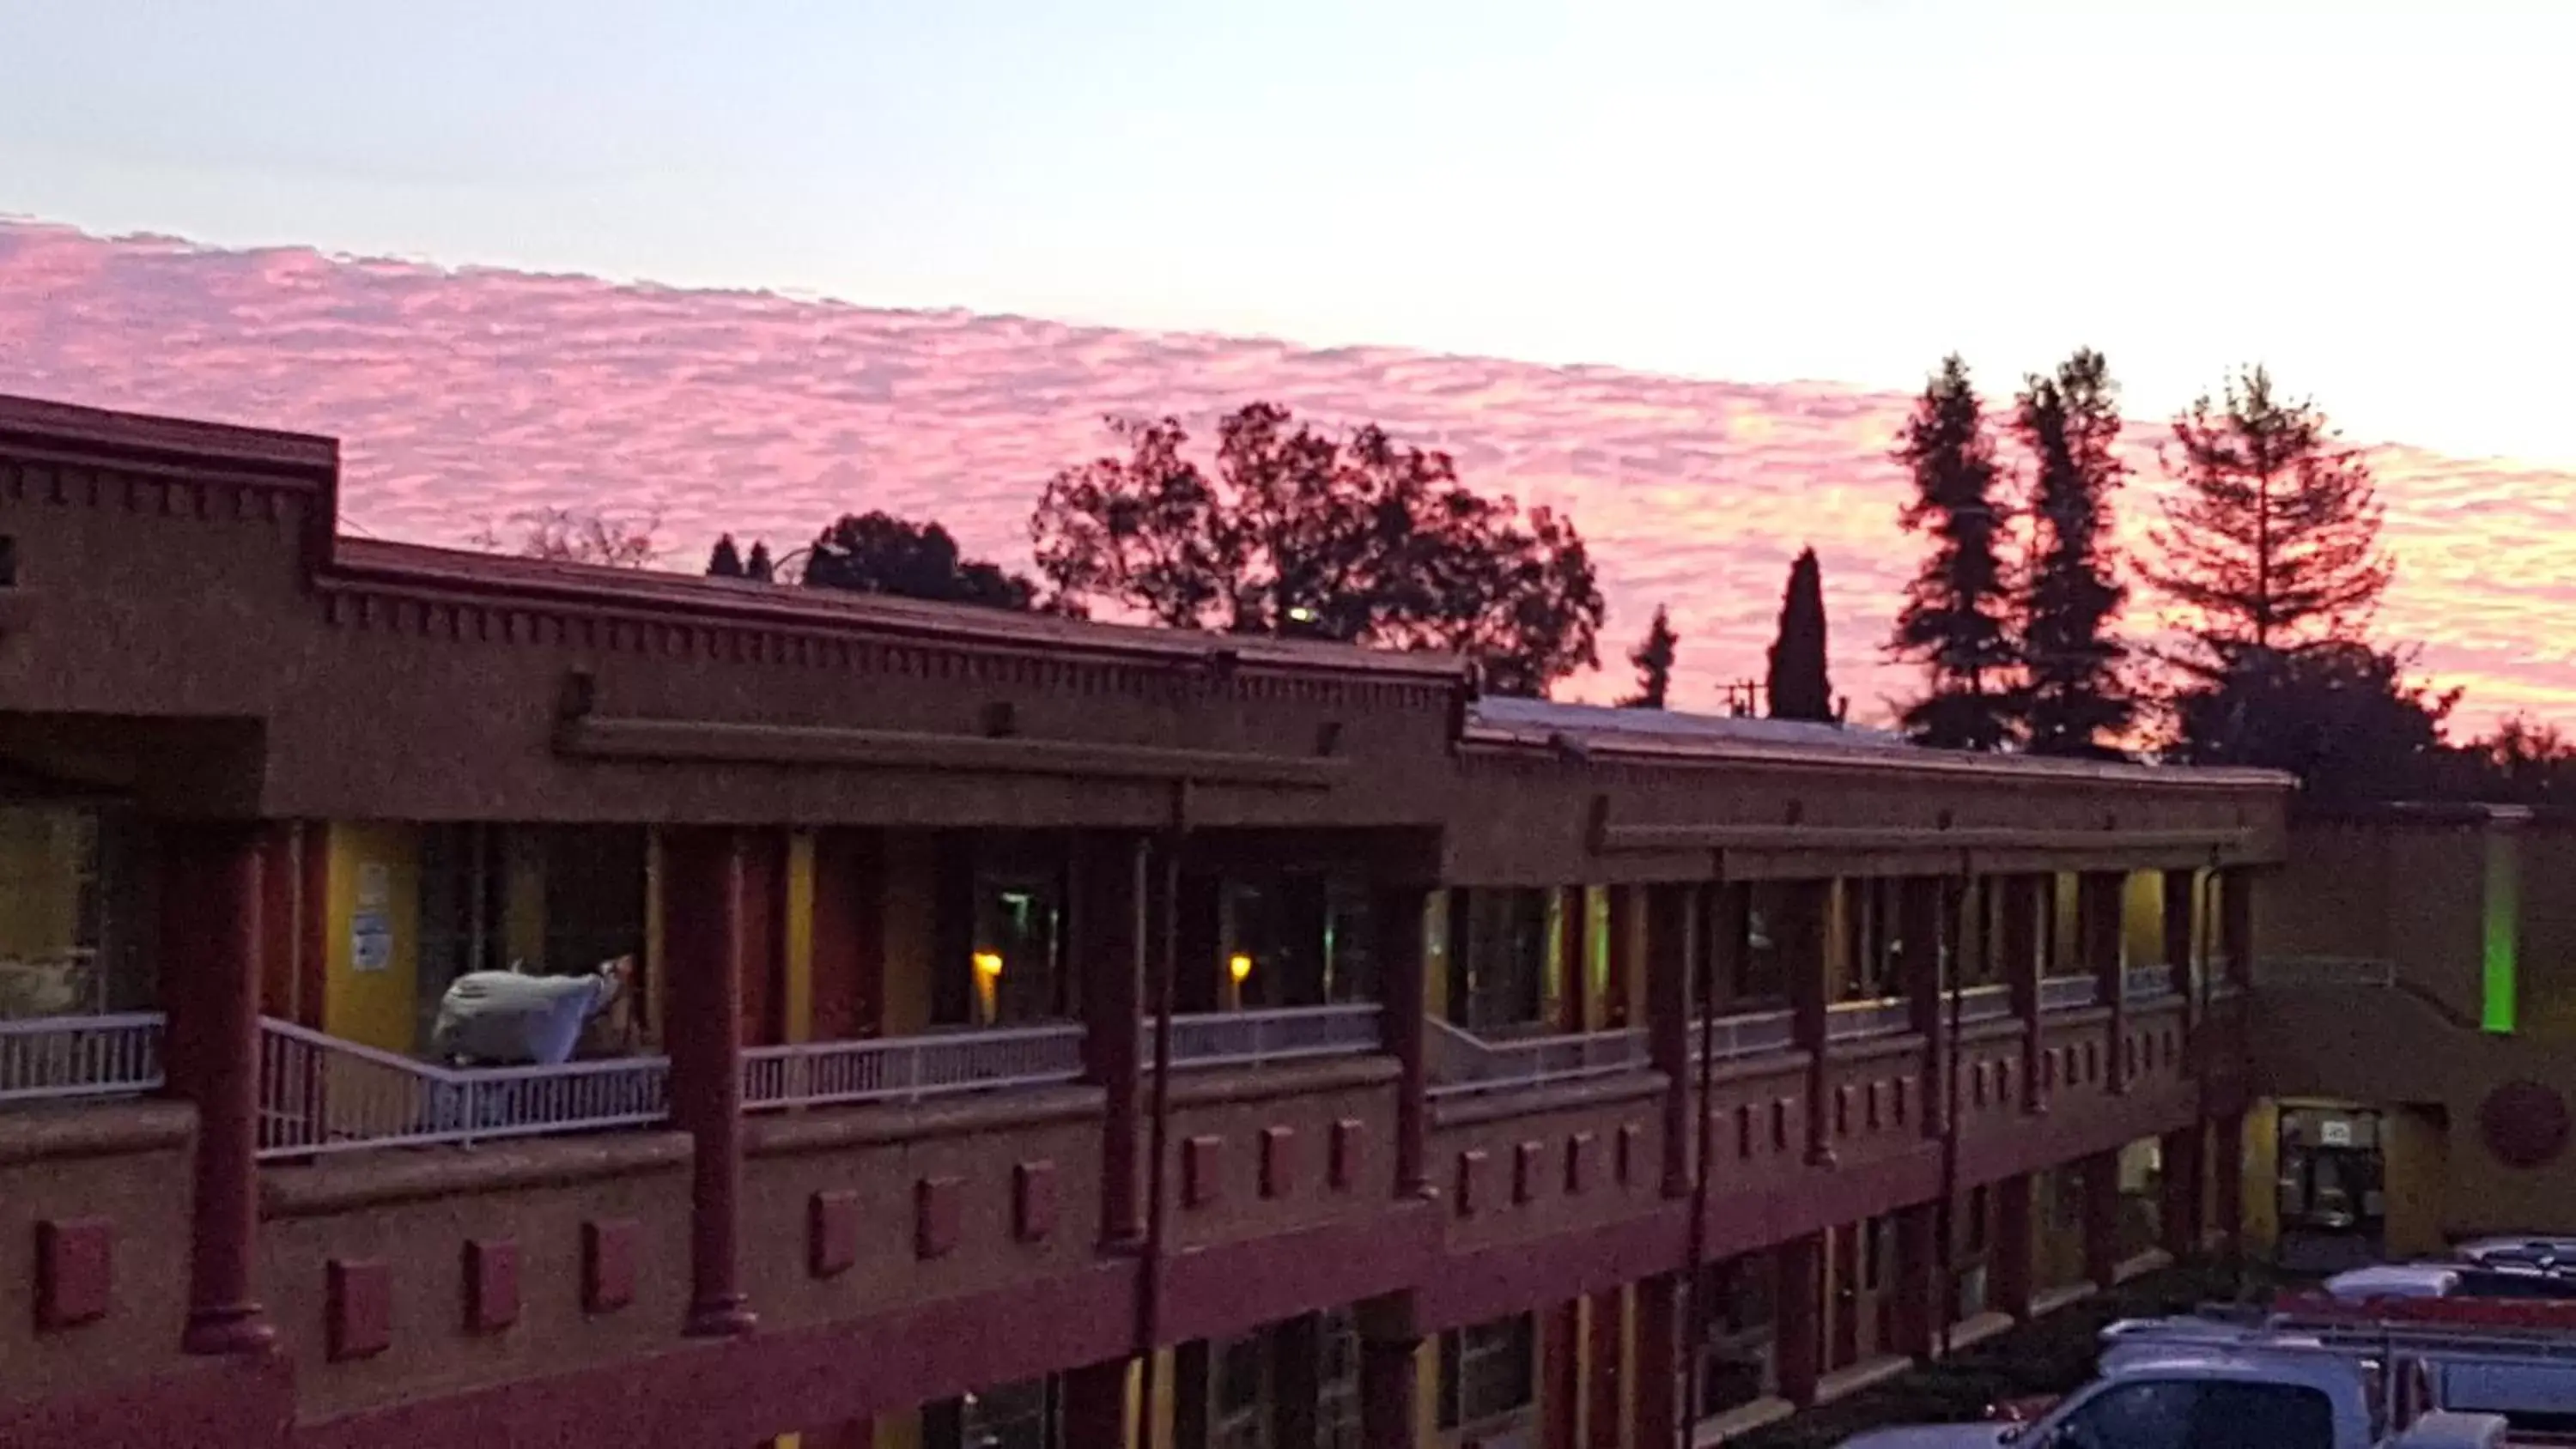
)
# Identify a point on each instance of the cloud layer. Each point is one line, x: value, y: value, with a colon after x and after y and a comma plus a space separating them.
x: 465, y: 396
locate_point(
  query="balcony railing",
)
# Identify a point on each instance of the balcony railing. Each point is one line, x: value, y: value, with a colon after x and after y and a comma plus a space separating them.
x: 2146, y: 983
x: 322, y: 1094
x: 52, y: 1058
x: 2068, y: 993
x: 1750, y: 1035
x: 2314, y: 972
x: 1862, y: 1020
x: 1984, y: 1003
x: 910, y: 1068
x: 1463, y: 1062
x: 1258, y: 1038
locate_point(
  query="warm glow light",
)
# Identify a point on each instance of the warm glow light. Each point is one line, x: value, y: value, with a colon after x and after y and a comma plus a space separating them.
x: 988, y: 963
x: 1238, y: 966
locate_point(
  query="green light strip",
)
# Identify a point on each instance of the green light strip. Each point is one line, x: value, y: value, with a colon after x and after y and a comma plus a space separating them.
x: 2502, y: 922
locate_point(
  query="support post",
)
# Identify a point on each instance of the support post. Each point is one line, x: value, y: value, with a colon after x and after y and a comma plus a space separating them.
x: 1801, y: 1318
x: 1659, y: 1363
x: 1402, y: 960
x: 1807, y: 949
x: 211, y: 938
x: 1390, y: 1417
x: 2101, y: 1175
x: 2179, y: 1207
x: 2026, y: 949
x: 1605, y: 1381
x: 1921, y: 1305
x: 1927, y: 963
x: 2012, y: 1246
x: 2230, y: 1170
x: 1671, y: 963
x: 1109, y: 928
x: 1095, y: 1406
x: 2102, y: 897
x: 703, y: 942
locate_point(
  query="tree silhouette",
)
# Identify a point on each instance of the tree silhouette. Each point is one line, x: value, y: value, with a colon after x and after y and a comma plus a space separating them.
x: 2073, y: 700
x: 759, y: 566
x: 1654, y: 661
x: 725, y: 562
x: 1954, y: 622
x: 577, y: 535
x: 877, y: 553
x: 2339, y: 715
x: 2273, y: 539
x: 1797, y: 684
x: 1294, y: 531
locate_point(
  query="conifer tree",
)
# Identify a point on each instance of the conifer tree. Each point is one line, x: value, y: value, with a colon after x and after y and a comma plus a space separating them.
x: 726, y: 561
x: 1797, y: 684
x: 759, y: 566
x: 2073, y: 700
x: 1654, y: 661
x: 1955, y: 622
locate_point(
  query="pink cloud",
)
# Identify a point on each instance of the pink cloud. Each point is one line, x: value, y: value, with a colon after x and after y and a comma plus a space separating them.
x: 462, y: 396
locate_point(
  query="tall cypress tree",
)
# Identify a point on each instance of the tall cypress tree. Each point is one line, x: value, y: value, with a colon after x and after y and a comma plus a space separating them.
x: 759, y: 565
x: 1956, y: 620
x: 1654, y: 661
x: 1797, y: 685
x: 2073, y: 699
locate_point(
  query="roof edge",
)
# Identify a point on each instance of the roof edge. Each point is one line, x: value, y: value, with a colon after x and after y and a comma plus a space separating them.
x: 1912, y: 762
x: 158, y: 438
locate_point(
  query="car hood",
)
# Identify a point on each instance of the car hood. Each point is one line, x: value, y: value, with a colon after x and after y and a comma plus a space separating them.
x: 1931, y: 1436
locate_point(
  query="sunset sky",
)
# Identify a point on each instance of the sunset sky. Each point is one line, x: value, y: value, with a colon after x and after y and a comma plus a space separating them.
x: 1753, y: 226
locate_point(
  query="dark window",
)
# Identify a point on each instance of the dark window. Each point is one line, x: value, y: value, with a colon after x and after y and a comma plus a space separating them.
x: 1337, y: 1381
x: 74, y: 913
x: 1299, y: 938
x: 1751, y: 919
x: 1014, y: 1416
x: 1498, y: 958
x: 8, y: 562
x: 1488, y: 1371
x: 1016, y: 964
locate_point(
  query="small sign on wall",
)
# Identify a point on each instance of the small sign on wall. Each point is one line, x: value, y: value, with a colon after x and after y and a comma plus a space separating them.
x: 371, y: 931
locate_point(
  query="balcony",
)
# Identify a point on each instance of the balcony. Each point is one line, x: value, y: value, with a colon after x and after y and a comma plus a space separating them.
x: 1851, y: 1021
x: 1462, y: 1062
x: 1734, y: 1038
x: 911, y: 1068
x: 320, y: 1094
x: 2069, y: 993
x: 66, y: 1058
x: 1265, y: 1038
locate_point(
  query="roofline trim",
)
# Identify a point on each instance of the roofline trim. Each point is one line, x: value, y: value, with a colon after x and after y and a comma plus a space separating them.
x: 1714, y: 753
x: 167, y: 439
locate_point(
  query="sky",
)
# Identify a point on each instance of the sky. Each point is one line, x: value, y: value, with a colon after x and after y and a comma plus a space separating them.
x: 1675, y: 265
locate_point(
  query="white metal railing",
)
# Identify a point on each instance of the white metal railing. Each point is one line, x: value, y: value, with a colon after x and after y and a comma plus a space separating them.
x: 321, y: 1094
x: 1861, y: 1020
x: 1279, y: 1034
x: 2145, y: 983
x: 1749, y: 1035
x: 2312, y: 972
x: 55, y: 1057
x: 1985, y: 1003
x: 2068, y: 993
x: 910, y: 1068
x: 1463, y: 1062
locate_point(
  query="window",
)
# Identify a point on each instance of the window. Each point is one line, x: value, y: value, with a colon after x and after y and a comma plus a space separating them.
x: 1017, y: 967
x: 1498, y: 956
x: 1875, y: 943
x: 1751, y: 918
x: 1016, y: 1416
x: 2183, y: 1414
x: 1337, y: 1383
x: 1488, y: 1371
x: 72, y: 914
x: 1301, y: 938
x: 576, y: 895
x: 1735, y: 1367
x: 1239, y: 1397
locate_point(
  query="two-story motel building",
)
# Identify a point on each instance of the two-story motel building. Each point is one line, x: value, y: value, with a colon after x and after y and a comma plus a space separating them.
x: 1496, y: 1031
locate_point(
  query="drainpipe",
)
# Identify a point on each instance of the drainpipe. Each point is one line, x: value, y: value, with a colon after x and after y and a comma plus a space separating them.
x: 1704, y: 996
x: 1149, y: 1304
x: 1946, y: 1222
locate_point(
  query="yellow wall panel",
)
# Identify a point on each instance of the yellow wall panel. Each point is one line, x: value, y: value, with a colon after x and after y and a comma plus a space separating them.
x: 2260, y: 1152
x: 2142, y: 917
x: 371, y: 979
x: 799, y: 936
x: 2415, y: 1162
x: 899, y: 1431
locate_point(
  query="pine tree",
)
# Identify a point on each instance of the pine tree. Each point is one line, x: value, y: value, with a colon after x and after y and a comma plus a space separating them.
x: 726, y: 561
x: 1654, y: 661
x: 2073, y: 700
x: 759, y: 566
x: 1955, y: 621
x: 2273, y: 541
x: 1797, y: 685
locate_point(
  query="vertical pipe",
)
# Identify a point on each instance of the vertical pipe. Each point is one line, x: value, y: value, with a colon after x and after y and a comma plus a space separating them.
x: 1149, y: 1310
x: 1966, y: 935
x: 1701, y: 996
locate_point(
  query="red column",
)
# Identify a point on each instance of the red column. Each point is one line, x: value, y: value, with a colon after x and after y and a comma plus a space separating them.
x: 1109, y: 930
x: 703, y: 940
x: 1672, y: 967
x: 2180, y: 1205
x: 1922, y: 928
x: 1659, y: 1363
x: 1805, y: 949
x: 2102, y: 1218
x: 2025, y: 961
x: 1801, y: 1317
x: 1920, y: 1299
x: 1389, y: 1417
x: 2180, y: 937
x: 1401, y: 963
x: 1095, y: 1406
x: 2229, y: 1167
x: 2104, y: 937
x: 1604, y: 1387
x: 2011, y: 1259
x: 210, y: 941
x: 1560, y: 1396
